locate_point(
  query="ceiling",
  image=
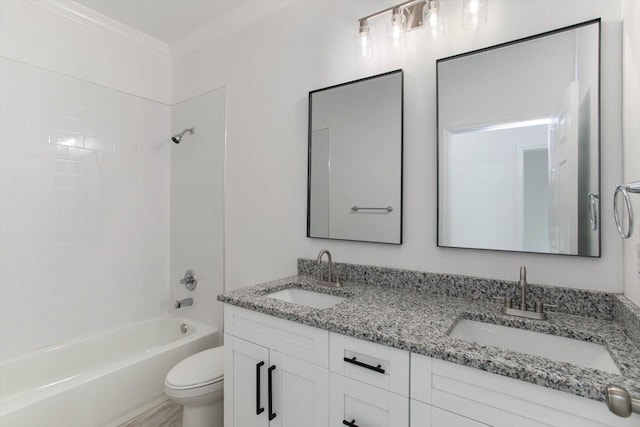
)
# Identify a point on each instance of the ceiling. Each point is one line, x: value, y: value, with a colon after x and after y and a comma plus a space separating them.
x: 165, y: 20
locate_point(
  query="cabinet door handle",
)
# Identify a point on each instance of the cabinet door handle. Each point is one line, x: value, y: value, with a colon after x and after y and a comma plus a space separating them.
x: 364, y: 365
x: 272, y: 414
x: 351, y: 423
x: 259, y: 409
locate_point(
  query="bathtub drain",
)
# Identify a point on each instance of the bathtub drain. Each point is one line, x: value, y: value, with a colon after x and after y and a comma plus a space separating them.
x: 183, y: 328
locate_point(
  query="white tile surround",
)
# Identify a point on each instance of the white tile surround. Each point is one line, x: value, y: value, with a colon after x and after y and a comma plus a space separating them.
x: 84, y: 207
x: 197, y: 184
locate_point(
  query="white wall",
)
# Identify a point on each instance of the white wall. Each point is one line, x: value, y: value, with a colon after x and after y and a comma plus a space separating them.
x: 78, y: 42
x: 84, y: 180
x: 197, y: 184
x: 631, y: 137
x: 269, y: 68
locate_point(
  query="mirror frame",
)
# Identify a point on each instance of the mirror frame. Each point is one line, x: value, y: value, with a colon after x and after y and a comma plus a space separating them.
x: 309, y: 135
x: 598, y: 136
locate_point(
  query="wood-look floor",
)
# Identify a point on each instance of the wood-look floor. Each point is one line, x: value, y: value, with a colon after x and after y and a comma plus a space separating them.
x: 166, y: 414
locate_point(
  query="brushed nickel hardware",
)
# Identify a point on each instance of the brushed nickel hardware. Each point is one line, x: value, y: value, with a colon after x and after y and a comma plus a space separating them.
x: 523, y: 288
x: 189, y: 280
x: 329, y: 281
x: 620, y: 402
x: 184, y: 303
x: 508, y: 309
x: 360, y: 208
x: 184, y: 328
x: 632, y: 187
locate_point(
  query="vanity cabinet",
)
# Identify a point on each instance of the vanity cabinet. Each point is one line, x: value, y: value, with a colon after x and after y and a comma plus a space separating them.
x: 323, y: 379
x: 276, y: 372
x: 456, y: 395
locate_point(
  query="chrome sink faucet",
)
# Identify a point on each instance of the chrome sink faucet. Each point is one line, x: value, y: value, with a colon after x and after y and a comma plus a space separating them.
x: 523, y: 287
x: 329, y: 281
x: 538, y: 313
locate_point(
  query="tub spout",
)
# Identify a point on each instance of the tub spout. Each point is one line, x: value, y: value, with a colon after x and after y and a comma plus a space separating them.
x: 184, y: 303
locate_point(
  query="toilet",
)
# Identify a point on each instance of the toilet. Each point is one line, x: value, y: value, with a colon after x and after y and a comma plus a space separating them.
x: 197, y: 383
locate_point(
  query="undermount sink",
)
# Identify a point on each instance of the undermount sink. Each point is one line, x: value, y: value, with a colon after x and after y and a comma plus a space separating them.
x: 552, y: 347
x: 307, y: 298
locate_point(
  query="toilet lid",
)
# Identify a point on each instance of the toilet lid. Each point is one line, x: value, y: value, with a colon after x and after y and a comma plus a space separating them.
x: 199, y: 369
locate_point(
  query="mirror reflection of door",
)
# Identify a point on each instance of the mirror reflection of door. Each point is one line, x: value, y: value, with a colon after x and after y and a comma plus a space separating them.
x: 518, y: 144
x: 498, y: 185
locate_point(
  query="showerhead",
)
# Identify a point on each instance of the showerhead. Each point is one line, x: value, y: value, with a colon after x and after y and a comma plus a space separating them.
x: 178, y: 137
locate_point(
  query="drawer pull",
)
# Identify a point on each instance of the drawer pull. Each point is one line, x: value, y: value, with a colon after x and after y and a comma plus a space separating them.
x: 351, y: 423
x: 364, y: 365
x: 272, y: 414
x: 259, y: 408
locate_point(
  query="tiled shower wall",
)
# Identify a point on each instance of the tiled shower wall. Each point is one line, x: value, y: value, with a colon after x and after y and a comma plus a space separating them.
x: 84, y: 208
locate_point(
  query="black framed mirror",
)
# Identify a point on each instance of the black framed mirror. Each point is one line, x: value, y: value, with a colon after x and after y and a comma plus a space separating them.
x: 354, y: 185
x: 519, y: 145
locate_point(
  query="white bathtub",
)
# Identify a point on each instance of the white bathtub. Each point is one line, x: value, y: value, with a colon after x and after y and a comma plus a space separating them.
x: 94, y: 381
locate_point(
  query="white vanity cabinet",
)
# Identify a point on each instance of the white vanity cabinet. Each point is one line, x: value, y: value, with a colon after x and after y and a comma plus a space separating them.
x: 445, y: 394
x: 276, y: 372
x: 280, y: 373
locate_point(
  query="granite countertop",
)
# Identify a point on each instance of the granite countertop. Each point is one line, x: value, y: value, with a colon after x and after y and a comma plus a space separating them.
x: 418, y: 321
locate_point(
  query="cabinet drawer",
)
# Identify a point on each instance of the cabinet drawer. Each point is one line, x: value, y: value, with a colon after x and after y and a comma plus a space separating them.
x: 364, y: 405
x: 379, y: 365
x: 503, y: 402
x: 291, y: 338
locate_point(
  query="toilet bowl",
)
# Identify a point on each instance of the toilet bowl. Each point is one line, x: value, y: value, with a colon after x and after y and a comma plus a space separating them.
x: 197, y: 383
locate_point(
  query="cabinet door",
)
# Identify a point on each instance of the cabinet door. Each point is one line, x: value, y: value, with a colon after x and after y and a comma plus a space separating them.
x: 245, y: 384
x: 419, y: 414
x: 363, y: 405
x: 300, y: 392
x: 442, y: 418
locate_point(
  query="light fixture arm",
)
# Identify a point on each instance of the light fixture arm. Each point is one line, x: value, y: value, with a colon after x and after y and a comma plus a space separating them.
x: 389, y: 9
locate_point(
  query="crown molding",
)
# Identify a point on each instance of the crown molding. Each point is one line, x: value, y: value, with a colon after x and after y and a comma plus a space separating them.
x: 95, y: 20
x: 242, y: 16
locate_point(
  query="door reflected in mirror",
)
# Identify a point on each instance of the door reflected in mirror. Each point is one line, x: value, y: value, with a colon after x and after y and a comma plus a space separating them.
x: 518, y: 145
x: 355, y: 160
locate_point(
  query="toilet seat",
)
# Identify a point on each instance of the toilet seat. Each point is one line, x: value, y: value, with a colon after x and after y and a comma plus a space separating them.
x: 199, y: 370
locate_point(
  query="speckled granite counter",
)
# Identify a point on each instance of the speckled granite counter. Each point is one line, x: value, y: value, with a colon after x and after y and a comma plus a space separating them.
x: 417, y: 320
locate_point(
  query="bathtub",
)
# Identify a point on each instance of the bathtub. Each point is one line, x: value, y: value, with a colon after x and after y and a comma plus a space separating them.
x: 99, y: 379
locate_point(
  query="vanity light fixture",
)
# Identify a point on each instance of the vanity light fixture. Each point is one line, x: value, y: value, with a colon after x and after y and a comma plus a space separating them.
x: 474, y: 14
x: 404, y: 17
x: 413, y: 14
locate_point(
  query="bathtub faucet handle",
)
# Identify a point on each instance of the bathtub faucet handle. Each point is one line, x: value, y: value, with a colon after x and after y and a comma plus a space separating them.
x: 183, y: 303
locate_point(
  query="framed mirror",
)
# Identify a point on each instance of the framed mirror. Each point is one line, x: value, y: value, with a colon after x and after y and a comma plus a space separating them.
x: 519, y: 145
x: 354, y: 187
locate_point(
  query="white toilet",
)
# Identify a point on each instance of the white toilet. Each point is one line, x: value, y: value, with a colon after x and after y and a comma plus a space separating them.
x: 197, y: 384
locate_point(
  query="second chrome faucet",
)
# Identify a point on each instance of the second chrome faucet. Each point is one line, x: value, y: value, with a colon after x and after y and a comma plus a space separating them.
x: 508, y: 309
x: 329, y: 281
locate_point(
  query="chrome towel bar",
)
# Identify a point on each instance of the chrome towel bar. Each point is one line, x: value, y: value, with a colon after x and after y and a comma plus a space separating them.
x: 360, y: 208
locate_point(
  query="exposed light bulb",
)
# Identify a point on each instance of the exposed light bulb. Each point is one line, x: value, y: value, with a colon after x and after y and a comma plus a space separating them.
x: 365, y: 49
x: 397, y: 28
x: 474, y: 14
x: 433, y: 22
